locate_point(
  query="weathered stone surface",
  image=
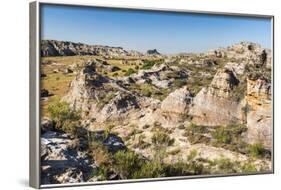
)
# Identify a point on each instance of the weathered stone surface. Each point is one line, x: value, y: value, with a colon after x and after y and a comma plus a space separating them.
x: 212, y: 105
x: 119, y: 107
x: 259, y: 116
x: 177, y: 101
x: 61, y: 161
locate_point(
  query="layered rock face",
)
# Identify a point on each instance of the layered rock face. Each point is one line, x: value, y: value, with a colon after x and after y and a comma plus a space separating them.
x: 212, y: 106
x: 64, y: 48
x: 259, y: 116
x: 177, y: 101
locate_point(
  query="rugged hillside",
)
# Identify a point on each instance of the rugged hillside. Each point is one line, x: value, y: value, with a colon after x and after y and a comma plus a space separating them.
x: 65, y: 48
x: 184, y: 114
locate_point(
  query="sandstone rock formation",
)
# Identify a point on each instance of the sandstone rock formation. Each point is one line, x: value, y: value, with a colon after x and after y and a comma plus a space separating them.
x: 259, y: 116
x: 212, y: 106
x: 177, y: 101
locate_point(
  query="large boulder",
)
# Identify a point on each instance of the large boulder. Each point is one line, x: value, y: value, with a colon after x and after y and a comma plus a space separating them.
x: 177, y: 101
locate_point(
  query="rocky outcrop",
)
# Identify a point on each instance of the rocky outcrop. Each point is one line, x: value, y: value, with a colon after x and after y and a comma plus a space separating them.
x: 119, y: 107
x: 160, y: 76
x: 62, y: 161
x: 87, y: 89
x: 237, y: 68
x: 250, y: 52
x: 153, y: 52
x: 65, y: 48
x: 213, y: 106
x: 259, y: 113
x: 177, y: 101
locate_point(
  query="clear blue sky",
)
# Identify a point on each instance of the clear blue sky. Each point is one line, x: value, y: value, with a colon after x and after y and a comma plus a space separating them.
x: 143, y: 30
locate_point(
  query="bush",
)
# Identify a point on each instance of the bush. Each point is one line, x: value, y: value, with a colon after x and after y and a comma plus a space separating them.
x: 222, y: 135
x: 148, y: 64
x: 100, y: 154
x: 248, y: 167
x: 126, y: 163
x: 151, y: 169
x: 196, y: 134
x: 65, y: 118
x: 180, y: 82
x: 229, y: 134
x: 129, y: 72
x: 256, y: 150
x: 160, y: 138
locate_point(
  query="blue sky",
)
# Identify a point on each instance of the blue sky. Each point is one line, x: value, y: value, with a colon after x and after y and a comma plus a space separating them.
x: 143, y: 30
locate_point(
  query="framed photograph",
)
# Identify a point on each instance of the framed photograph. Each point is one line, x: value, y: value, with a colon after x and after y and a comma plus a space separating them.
x: 133, y: 94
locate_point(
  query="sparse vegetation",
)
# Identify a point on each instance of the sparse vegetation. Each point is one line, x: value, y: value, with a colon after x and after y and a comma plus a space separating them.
x: 64, y: 118
x: 256, y: 150
x: 154, y: 149
x: 129, y: 72
x: 148, y: 64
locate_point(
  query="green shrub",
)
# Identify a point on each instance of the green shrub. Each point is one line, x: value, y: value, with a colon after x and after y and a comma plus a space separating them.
x: 148, y: 64
x: 248, y: 167
x: 65, y: 118
x: 180, y: 82
x: 129, y: 72
x: 126, y: 163
x: 256, y: 150
x: 222, y: 135
x: 225, y: 165
x: 100, y: 154
x: 196, y: 134
x: 229, y: 134
x: 192, y: 154
x: 162, y: 139
x: 151, y: 169
x: 181, y: 168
